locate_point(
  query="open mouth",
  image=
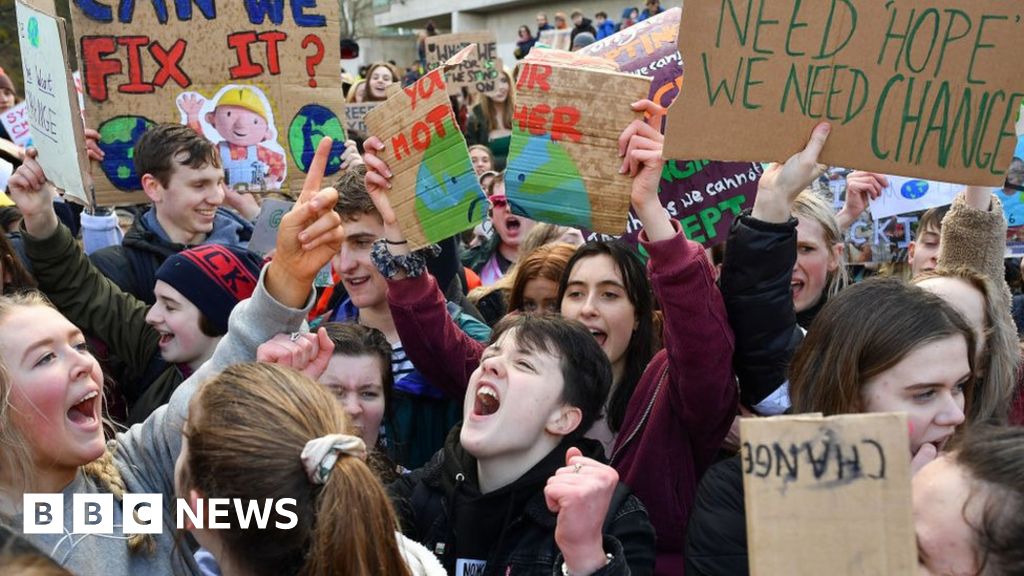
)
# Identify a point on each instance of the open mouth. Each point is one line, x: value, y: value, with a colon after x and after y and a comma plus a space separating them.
x: 487, y: 401
x: 85, y: 410
x: 359, y: 281
x: 165, y: 338
x: 598, y: 335
x: 513, y: 224
x: 796, y: 286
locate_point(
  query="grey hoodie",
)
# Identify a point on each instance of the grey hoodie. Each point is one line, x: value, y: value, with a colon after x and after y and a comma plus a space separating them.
x: 147, y: 452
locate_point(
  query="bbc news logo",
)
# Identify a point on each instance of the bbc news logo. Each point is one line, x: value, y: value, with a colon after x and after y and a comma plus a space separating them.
x: 144, y: 514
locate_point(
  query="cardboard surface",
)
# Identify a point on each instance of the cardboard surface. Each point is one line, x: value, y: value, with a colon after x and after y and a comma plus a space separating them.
x: 355, y: 116
x: 435, y: 193
x: 478, y: 72
x: 192, y: 61
x: 563, y: 161
x: 914, y: 88
x: 53, y: 115
x: 828, y: 495
x: 705, y: 196
x: 905, y: 195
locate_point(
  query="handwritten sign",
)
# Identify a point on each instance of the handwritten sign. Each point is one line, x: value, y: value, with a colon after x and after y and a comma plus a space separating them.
x: 435, y: 190
x: 264, y: 234
x: 563, y: 161
x: 52, y: 107
x: 706, y: 196
x: 477, y: 72
x: 905, y: 195
x: 920, y: 89
x: 15, y: 121
x: 556, y: 39
x: 252, y: 77
x: 828, y: 495
x: 355, y: 116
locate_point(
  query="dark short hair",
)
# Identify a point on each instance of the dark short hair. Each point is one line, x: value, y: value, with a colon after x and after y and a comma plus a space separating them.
x: 931, y: 220
x: 207, y: 327
x: 642, y: 343
x: 165, y: 146
x: 351, y: 339
x: 353, y: 199
x: 586, y: 371
x: 601, y: 14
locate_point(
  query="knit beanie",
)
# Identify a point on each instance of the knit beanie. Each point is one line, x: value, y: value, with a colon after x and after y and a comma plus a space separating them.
x: 5, y: 82
x: 214, y: 278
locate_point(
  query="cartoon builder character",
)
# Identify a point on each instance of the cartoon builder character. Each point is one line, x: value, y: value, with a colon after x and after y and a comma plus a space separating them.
x: 241, y: 119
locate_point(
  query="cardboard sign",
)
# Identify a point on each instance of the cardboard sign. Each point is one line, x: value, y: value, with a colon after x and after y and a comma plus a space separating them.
x: 477, y: 72
x: 921, y: 89
x: 706, y: 196
x: 254, y: 78
x: 15, y: 121
x: 556, y: 39
x: 828, y: 495
x: 264, y: 234
x: 905, y: 195
x: 53, y: 115
x: 355, y: 116
x: 435, y: 191
x: 563, y: 160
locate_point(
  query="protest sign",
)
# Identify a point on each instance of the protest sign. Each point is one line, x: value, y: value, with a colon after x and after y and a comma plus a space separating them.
x: 264, y: 234
x: 435, y: 190
x: 355, y: 116
x: 921, y: 89
x: 54, y: 117
x: 253, y: 77
x: 15, y: 121
x: 556, y: 39
x: 563, y: 160
x: 828, y: 495
x: 705, y: 196
x: 905, y: 195
x: 477, y: 72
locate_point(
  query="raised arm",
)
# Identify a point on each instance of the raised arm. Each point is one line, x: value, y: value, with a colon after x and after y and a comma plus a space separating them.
x: 438, y: 348
x: 974, y: 235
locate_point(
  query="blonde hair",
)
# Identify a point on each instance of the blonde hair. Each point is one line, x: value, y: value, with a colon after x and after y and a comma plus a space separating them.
x: 353, y: 90
x: 1001, y: 356
x: 811, y: 206
x: 16, y: 457
x: 490, y: 108
x: 246, y: 431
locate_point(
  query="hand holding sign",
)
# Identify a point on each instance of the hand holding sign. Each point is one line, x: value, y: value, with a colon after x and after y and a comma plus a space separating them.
x: 309, y: 236
x: 378, y: 185
x: 580, y: 494
x: 782, y: 183
x: 860, y: 188
x: 640, y: 145
x: 33, y: 195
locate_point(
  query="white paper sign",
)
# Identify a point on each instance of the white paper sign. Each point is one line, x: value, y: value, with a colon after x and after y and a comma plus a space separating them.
x: 15, y: 121
x: 905, y: 195
x: 52, y: 104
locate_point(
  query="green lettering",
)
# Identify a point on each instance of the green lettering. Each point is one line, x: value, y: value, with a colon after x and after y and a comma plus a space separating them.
x: 978, y: 46
x: 757, y: 29
x: 722, y: 86
x: 948, y: 38
x: 988, y: 158
x: 733, y: 204
x: 852, y: 113
x: 822, y: 55
x: 1008, y: 120
x: 832, y: 91
x: 793, y: 80
x: 876, y: 125
x: 691, y: 227
x: 748, y: 83
x: 709, y: 217
x: 812, y: 81
x: 793, y: 25
x: 910, y: 118
x: 741, y: 34
x: 913, y: 36
x: 889, y: 35
x: 939, y: 106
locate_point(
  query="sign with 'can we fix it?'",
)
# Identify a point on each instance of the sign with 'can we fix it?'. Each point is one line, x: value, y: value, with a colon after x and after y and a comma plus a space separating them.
x: 253, y: 77
x: 924, y: 89
x: 435, y: 191
x: 563, y: 161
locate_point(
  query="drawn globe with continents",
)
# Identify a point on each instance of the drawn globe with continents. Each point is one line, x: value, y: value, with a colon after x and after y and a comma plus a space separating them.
x: 307, y: 129
x: 542, y: 182
x: 117, y: 140
x: 448, y: 195
x: 914, y: 189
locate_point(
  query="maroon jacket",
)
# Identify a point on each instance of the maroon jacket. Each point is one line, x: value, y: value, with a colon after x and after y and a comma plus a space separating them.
x: 682, y: 407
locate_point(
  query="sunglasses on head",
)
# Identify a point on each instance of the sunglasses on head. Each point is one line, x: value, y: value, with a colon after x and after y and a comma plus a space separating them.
x: 499, y: 201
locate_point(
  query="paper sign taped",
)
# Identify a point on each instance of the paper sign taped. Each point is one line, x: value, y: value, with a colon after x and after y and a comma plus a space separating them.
x: 920, y: 89
x: 435, y: 190
x: 355, y: 116
x: 828, y: 495
x: 264, y: 234
x: 478, y: 72
x: 254, y: 78
x: 556, y: 39
x: 905, y: 195
x: 54, y: 117
x: 563, y: 161
x: 15, y: 121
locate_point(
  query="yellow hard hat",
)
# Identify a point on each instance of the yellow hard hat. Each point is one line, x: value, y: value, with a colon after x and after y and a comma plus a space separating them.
x: 244, y: 98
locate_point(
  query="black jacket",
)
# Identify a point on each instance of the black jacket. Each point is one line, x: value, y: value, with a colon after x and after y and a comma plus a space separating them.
x: 132, y: 265
x: 428, y: 500
x: 716, y: 537
x: 755, y: 283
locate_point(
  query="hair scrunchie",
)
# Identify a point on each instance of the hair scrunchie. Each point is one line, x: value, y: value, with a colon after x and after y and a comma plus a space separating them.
x: 320, y: 454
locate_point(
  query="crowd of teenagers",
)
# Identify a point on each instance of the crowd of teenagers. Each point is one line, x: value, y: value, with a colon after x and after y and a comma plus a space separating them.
x: 513, y: 400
